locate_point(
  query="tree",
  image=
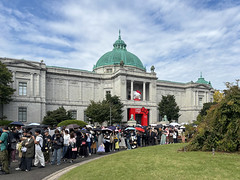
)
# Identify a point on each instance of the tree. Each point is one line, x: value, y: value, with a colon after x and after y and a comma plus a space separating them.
x: 5, y: 89
x: 99, y: 112
x: 116, y: 108
x: 217, y: 96
x: 203, y: 112
x: 220, y: 128
x: 169, y: 107
x: 54, y: 117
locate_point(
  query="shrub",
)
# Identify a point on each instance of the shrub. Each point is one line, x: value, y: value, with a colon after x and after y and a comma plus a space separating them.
x: 67, y: 122
x: 5, y: 122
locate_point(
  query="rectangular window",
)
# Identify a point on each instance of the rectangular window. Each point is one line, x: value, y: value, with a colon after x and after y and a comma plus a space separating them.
x: 109, y: 70
x: 22, y: 88
x: 85, y: 117
x: 22, y: 114
x: 74, y: 114
x: 200, y: 103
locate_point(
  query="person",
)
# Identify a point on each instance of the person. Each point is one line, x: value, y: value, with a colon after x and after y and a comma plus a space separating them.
x: 72, y: 148
x: 94, y: 143
x: 57, y: 143
x: 38, y: 149
x: 46, y: 146
x: 89, y: 142
x: 107, y: 142
x: 66, y: 138
x: 163, y: 137
x: 174, y: 136
x: 122, y: 143
x: 27, y: 153
x: 14, y: 140
x: 4, y: 151
x: 83, y: 148
x: 116, y: 141
x: 19, y: 148
x: 128, y: 136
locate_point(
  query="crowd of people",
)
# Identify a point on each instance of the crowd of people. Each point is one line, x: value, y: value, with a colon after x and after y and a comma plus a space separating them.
x: 61, y: 145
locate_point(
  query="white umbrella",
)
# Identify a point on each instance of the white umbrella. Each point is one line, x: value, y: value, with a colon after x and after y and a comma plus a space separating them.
x: 34, y: 124
x: 89, y: 126
x: 174, y: 124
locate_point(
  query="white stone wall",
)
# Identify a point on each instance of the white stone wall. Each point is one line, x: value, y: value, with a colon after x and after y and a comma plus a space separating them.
x: 48, y: 88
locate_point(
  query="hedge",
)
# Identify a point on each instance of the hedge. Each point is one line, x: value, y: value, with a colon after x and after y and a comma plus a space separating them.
x: 5, y: 122
x: 67, y: 122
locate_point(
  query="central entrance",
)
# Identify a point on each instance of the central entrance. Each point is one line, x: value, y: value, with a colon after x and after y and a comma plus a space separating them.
x: 141, y: 115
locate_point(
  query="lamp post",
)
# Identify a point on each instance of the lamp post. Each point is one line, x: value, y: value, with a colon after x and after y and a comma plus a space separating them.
x: 110, y: 114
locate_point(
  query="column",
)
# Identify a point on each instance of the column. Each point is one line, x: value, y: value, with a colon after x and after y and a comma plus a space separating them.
x: 31, y: 85
x: 67, y: 90
x: 14, y: 80
x: 144, y: 91
x: 80, y: 90
x: 37, y: 85
x: 131, y: 90
x: 196, y: 98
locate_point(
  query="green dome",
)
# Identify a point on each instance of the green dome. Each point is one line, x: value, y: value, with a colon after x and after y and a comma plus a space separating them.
x: 118, y: 54
x: 201, y: 80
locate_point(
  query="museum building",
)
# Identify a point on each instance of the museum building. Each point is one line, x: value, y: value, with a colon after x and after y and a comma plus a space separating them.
x: 41, y: 88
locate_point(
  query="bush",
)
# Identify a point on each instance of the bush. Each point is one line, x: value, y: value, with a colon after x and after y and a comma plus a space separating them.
x: 220, y: 128
x: 5, y: 122
x: 67, y: 122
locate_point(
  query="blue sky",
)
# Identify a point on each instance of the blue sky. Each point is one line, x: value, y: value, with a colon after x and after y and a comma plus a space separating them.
x: 180, y: 38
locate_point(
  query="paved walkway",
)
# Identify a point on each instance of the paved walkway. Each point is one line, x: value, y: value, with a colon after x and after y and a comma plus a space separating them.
x: 40, y: 173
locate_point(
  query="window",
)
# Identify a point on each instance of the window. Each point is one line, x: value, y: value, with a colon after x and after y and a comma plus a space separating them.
x: 22, y: 89
x: 74, y: 114
x: 109, y: 70
x: 22, y: 114
x: 85, y: 117
x: 108, y: 92
x: 200, y: 102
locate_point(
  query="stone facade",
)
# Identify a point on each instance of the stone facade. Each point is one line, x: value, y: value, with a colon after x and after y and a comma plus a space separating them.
x: 41, y: 88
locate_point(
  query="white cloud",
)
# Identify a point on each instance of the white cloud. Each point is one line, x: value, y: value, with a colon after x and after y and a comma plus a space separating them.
x: 179, y: 37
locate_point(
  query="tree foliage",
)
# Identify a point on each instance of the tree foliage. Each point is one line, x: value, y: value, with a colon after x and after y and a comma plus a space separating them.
x: 99, y: 112
x: 67, y: 122
x: 169, y: 107
x: 217, y: 96
x: 6, y: 91
x: 54, y: 117
x: 203, y: 112
x: 220, y: 128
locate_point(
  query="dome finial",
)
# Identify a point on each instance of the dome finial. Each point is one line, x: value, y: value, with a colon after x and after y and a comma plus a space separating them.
x: 200, y: 74
x: 119, y: 36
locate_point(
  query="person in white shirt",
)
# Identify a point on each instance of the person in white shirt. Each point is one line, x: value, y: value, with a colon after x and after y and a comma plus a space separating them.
x: 66, y: 138
x: 38, y: 149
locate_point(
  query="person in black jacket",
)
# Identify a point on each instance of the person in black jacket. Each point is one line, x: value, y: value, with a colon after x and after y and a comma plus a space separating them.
x: 57, y: 144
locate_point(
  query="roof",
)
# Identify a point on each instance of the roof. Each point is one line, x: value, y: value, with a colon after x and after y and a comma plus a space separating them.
x: 118, y: 54
x: 201, y: 80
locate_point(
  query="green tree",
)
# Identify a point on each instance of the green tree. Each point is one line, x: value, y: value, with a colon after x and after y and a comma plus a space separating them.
x: 99, y: 112
x: 54, y: 117
x: 203, y: 112
x: 217, y: 96
x: 168, y: 106
x: 220, y: 128
x: 5, y: 89
x: 116, y: 108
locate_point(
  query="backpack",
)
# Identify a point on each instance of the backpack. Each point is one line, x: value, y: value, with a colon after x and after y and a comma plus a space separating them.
x: 10, y: 141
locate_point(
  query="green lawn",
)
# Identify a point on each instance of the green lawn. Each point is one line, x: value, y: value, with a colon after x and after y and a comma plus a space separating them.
x: 160, y: 162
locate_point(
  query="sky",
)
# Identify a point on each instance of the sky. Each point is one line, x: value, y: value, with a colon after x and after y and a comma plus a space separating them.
x: 181, y: 38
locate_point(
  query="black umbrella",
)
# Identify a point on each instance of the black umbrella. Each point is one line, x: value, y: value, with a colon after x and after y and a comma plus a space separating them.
x: 16, y: 123
x: 97, y: 129
x: 72, y: 126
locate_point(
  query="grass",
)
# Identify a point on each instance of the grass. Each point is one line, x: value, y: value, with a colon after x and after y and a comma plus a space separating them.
x: 159, y: 162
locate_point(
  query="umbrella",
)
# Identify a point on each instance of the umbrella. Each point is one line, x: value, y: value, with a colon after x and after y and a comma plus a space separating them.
x: 140, y: 129
x: 130, y: 128
x: 72, y: 126
x: 16, y: 123
x: 106, y: 129
x: 174, y: 124
x: 97, y: 129
x: 112, y: 127
x: 34, y: 124
x: 89, y: 126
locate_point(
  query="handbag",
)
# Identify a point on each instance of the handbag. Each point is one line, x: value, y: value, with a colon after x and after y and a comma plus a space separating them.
x: 83, y: 143
x: 74, y: 149
x: 24, y: 149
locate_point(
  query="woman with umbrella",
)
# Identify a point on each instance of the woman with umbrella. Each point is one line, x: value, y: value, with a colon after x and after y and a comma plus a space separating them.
x: 107, y: 141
